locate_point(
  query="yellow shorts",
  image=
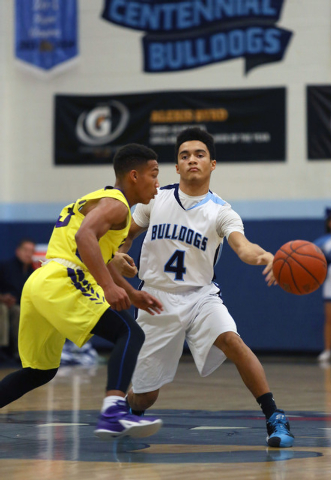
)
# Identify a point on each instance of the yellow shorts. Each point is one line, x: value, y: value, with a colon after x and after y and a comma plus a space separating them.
x: 57, y: 303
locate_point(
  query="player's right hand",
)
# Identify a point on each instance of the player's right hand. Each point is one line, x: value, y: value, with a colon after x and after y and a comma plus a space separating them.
x: 145, y: 301
x: 267, y: 260
x: 117, y: 298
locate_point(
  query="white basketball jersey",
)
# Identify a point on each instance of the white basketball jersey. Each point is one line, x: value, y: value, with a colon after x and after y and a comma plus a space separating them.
x: 182, y: 245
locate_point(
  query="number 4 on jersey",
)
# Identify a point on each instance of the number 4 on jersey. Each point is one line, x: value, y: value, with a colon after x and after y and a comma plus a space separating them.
x: 175, y: 264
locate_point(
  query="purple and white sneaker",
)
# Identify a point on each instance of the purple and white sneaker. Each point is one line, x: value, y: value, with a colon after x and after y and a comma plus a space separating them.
x: 117, y: 421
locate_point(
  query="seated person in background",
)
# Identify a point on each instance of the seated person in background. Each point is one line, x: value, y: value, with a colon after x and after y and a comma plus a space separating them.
x: 324, y: 243
x: 13, y: 275
x: 4, y: 332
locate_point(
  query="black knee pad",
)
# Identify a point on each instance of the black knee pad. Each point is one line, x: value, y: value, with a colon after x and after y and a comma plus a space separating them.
x: 138, y: 333
x: 40, y: 377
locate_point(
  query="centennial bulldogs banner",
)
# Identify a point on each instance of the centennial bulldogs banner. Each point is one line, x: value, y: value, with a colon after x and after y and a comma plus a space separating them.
x: 181, y: 35
x: 247, y: 125
x: 319, y: 122
x: 46, y: 32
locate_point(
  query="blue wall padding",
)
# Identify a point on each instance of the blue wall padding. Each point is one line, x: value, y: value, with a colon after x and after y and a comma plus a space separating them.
x: 268, y: 318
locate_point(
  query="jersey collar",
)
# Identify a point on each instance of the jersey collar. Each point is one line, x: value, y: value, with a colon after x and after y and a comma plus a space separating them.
x: 204, y: 200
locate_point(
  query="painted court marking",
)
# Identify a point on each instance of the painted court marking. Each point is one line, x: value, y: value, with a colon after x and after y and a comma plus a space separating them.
x: 61, y: 424
x: 187, y: 436
x: 217, y: 428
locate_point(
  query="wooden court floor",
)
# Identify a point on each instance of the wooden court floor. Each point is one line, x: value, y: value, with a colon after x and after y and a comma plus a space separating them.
x: 213, y: 428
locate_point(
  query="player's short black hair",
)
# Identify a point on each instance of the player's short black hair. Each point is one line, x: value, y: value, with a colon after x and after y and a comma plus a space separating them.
x: 131, y: 157
x: 196, y: 133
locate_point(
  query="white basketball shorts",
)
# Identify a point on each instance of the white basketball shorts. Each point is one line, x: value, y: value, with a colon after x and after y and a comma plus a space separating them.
x: 199, y: 317
x: 326, y: 288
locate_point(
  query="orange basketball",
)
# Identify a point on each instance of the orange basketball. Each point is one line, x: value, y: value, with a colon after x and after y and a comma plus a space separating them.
x: 299, y: 267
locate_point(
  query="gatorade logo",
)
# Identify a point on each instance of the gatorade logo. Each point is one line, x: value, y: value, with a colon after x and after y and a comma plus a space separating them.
x: 102, y: 124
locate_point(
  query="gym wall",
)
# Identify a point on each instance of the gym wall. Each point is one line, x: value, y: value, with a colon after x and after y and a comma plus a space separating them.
x: 278, y: 201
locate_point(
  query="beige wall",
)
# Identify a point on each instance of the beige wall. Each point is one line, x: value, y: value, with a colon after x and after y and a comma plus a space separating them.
x: 3, y: 122
x: 111, y: 62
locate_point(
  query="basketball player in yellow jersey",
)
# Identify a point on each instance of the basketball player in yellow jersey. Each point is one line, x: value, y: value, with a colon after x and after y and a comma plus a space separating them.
x: 78, y: 292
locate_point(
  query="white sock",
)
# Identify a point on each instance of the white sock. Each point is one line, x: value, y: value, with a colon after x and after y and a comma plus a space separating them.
x: 109, y: 401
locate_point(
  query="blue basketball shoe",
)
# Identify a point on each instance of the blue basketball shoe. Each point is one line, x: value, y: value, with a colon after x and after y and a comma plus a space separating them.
x: 117, y: 421
x: 139, y: 413
x: 278, y: 429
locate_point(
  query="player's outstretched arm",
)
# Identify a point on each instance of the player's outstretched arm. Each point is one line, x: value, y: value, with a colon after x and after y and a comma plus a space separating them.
x: 252, y: 254
x: 134, y: 232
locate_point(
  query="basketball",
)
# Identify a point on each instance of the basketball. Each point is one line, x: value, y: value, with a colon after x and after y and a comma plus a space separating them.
x: 299, y: 267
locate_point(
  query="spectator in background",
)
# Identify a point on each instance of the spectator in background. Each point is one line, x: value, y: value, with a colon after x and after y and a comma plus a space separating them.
x: 4, y: 331
x: 13, y: 275
x: 324, y: 243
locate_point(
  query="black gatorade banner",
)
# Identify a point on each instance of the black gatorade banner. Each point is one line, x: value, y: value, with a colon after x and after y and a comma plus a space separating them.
x: 319, y: 122
x: 247, y: 125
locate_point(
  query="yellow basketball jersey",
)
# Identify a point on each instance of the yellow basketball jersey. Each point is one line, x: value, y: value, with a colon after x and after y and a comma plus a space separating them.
x: 62, y: 243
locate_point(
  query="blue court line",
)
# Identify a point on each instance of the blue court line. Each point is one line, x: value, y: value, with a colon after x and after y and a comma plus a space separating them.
x: 177, y: 441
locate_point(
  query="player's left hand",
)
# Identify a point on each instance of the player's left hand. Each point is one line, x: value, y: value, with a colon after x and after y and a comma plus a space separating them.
x: 145, y: 301
x: 267, y: 260
x: 125, y: 265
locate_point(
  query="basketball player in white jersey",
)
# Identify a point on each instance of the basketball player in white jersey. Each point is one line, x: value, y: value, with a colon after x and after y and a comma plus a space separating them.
x: 324, y: 243
x: 186, y: 224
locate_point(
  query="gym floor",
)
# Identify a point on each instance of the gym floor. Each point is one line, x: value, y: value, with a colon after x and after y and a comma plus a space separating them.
x: 213, y: 428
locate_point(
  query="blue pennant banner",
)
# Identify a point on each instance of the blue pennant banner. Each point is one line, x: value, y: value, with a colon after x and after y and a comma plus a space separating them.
x: 46, y: 32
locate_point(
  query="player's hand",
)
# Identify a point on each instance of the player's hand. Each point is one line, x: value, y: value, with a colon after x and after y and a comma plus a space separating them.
x: 117, y: 297
x: 145, y: 301
x: 8, y: 299
x: 267, y: 260
x: 125, y: 265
